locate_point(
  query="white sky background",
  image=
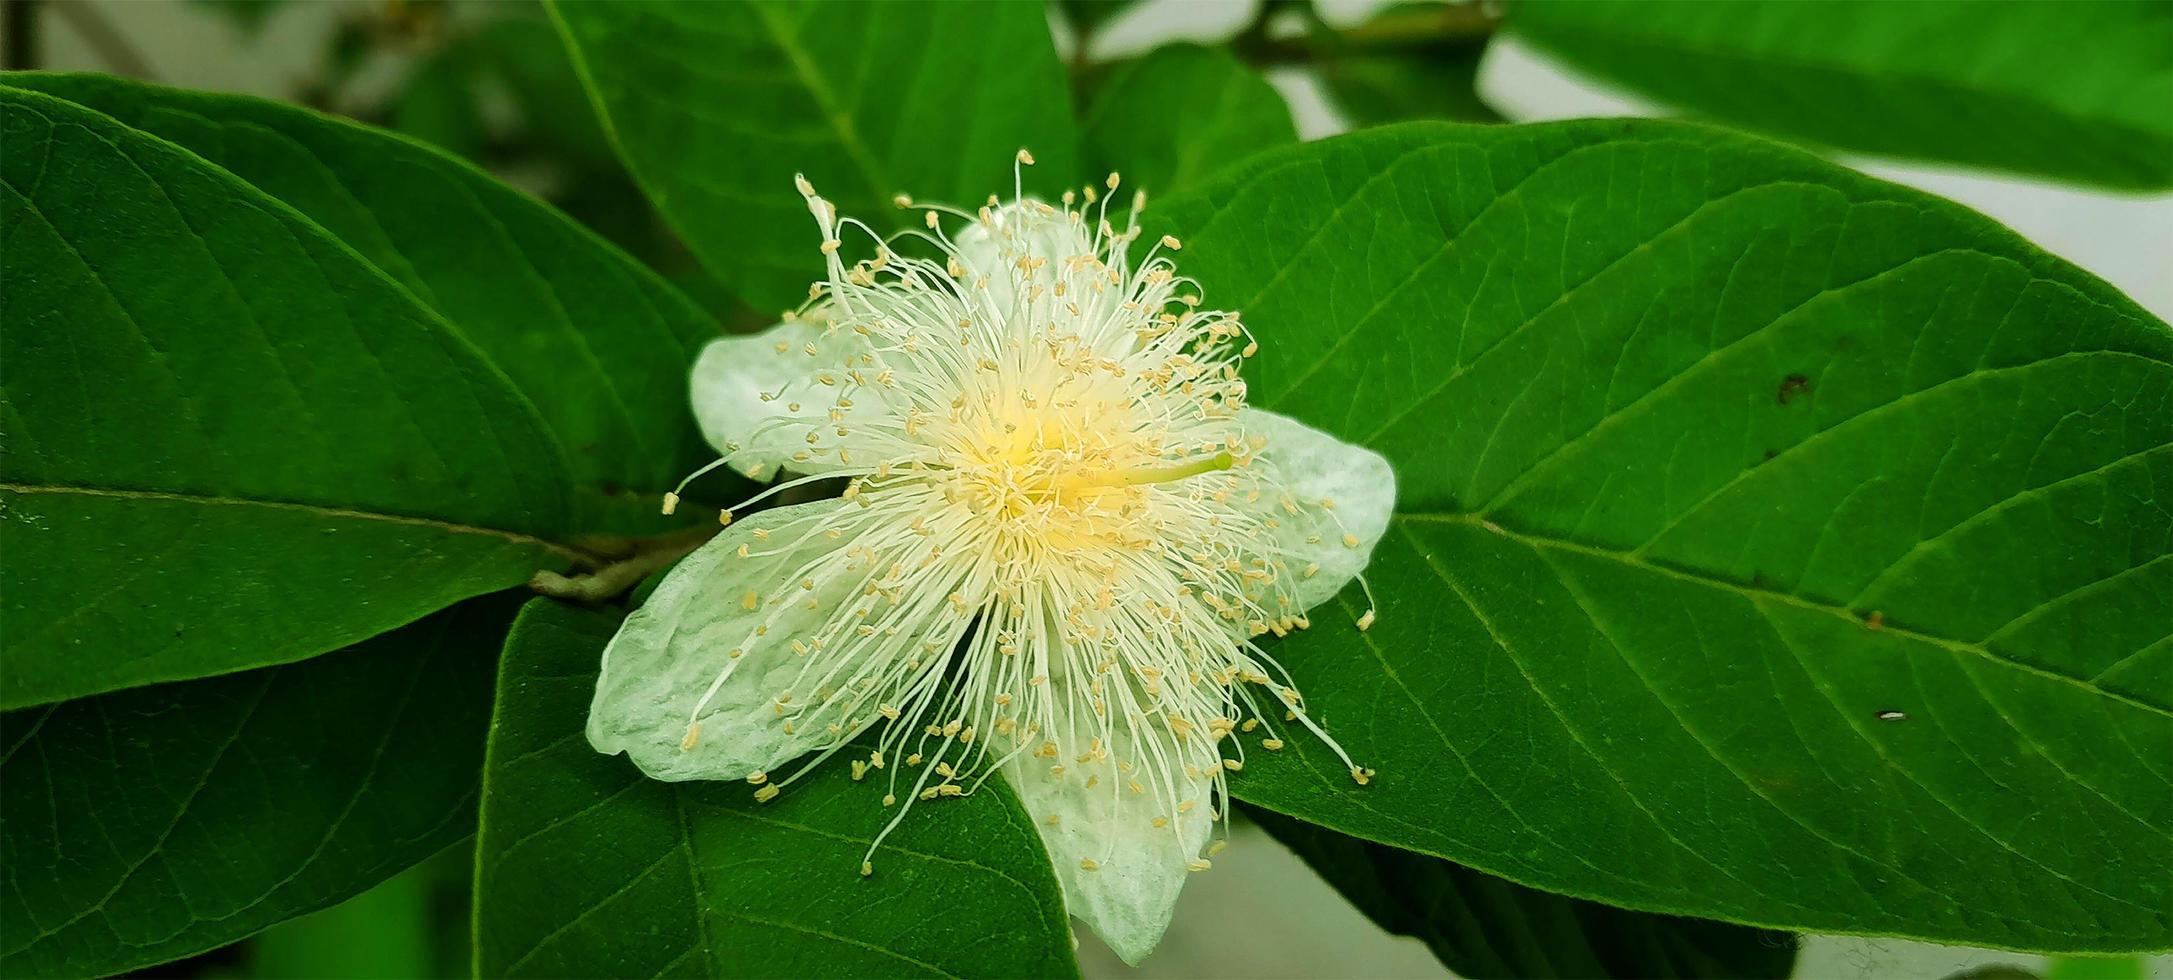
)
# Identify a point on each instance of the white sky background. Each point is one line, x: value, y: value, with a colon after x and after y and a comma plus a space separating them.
x: 1262, y: 912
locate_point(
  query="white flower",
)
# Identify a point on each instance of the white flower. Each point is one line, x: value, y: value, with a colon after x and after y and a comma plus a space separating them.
x: 1063, y: 532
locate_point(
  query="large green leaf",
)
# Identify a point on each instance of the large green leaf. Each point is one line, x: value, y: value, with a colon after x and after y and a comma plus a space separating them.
x: 715, y: 106
x: 147, y: 825
x: 585, y: 867
x: 230, y: 442
x: 2072, y: 90
x: 1482, y: 926
x: 600, y: 344
x: 1182, y: 112
x: 1773, y: 544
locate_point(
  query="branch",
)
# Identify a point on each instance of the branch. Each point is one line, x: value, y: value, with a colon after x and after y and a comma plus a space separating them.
x: 1441, y: 29
x: 643, y: 556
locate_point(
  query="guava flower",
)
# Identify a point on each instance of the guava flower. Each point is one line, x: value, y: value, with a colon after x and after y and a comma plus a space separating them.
x: 1061, y: 536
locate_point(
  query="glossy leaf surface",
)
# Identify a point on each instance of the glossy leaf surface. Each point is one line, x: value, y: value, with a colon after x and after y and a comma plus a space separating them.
x: 1773, y: 544
x: 598, y: 343
x: 2067, y: 90
x: 144, y: 826
x: 716, y: 106
x: 231, y: 441
x: 587, y: 868
x: 1169, y: 119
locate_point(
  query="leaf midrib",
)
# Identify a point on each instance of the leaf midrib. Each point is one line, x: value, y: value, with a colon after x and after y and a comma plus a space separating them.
x: 1541, y: 542
x: 318, y: 510
x: 839, y: 119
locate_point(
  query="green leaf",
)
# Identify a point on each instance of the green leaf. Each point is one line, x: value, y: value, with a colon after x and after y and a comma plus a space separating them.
x: 385, y: 932
x: 1482, y: 926
x: 1088, y: 17
x: 716, y: 106
x: 1436, y: 80
x: 598, y: 343
x: 436, y: 104
x: 1773, y: 544
x: 1374, y: 89
x: 526, y: 55
x: 2076, y: 91
x: 1171, y: 118
x: 143, y: 826
x: 585, y: 867
x: 230, y: 442
x: 2095, y: 968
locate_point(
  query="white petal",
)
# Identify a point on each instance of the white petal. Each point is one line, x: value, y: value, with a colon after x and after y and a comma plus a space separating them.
x: 732, y: 375
x: 1139, y: 868
x: 1314, y: 466
x: 670, y: 651
x: 1020, y: 230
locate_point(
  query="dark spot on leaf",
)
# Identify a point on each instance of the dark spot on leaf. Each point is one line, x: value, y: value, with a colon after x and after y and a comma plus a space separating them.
x: 1791, y: 386
x: 1769, y: 456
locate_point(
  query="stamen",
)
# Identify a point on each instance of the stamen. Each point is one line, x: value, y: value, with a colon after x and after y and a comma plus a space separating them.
x: 1057, y: 539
